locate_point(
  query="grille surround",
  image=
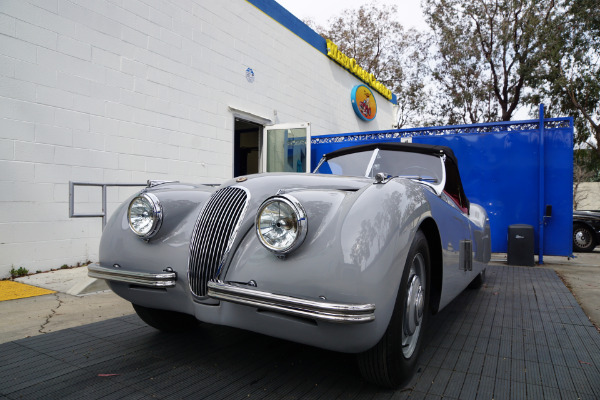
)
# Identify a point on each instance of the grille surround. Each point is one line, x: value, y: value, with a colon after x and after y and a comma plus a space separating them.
x: 213, y: 236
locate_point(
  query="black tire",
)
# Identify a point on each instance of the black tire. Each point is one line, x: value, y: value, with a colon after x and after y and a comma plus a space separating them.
x: 393, y: 360
x: 166, y: 321
x: 583, y: 239
x: 478, y: 281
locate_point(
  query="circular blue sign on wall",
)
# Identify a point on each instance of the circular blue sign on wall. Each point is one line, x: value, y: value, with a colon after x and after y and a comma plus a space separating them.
x: 363, y: 102
x: 250, y: 75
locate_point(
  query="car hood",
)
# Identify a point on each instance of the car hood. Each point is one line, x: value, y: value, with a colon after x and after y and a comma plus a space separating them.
x: 270, y: 184
x: 273, y: 183
x: 182, y: 203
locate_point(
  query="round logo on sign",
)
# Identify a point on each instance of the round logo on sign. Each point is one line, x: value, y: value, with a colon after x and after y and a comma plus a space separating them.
x: 363, y: 102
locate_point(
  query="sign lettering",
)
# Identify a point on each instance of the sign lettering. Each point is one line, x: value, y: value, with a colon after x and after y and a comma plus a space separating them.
x: 351, y: 65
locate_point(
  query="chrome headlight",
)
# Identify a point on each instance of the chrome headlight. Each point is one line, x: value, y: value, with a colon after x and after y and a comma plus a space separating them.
x: 281, y: 224
x: 145, y: 215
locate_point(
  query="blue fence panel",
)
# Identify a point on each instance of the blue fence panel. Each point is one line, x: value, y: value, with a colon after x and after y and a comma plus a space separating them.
x: 500, y: 169
x: 558, y: 173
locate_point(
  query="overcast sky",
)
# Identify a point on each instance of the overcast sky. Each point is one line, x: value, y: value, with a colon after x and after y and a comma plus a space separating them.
x: 409, y: 11
x: 409, y: 15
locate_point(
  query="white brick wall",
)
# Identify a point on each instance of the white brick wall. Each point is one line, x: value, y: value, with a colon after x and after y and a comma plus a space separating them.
x: 125, y: 91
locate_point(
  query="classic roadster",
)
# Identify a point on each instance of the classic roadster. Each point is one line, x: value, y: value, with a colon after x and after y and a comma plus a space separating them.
x: 352, y: 258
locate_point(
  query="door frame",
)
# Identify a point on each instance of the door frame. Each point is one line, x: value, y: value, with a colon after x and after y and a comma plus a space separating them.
x: 237, y: 113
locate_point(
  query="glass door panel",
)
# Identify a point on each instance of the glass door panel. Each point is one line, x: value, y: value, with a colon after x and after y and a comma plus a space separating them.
x: 287, y: 148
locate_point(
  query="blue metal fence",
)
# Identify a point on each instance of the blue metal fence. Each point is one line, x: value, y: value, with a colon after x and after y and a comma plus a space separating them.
x: 513, y: 169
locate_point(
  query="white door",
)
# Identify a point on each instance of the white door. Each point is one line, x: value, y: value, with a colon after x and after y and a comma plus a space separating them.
x: 286, y: 148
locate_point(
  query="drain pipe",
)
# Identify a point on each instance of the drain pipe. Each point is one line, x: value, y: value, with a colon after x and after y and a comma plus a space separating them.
x: 541, y: 195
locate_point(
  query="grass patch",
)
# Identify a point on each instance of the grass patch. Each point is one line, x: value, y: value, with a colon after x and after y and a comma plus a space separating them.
x: 15, y: 273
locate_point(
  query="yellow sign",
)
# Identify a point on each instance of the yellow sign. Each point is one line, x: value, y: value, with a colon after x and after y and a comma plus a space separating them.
x: 351, y: 65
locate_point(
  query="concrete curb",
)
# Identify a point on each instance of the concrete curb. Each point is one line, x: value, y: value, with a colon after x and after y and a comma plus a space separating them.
x: 88, y: 286
x: 72, y: 281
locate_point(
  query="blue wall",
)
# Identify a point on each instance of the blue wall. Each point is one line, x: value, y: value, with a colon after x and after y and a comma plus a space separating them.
x: 500, y: 170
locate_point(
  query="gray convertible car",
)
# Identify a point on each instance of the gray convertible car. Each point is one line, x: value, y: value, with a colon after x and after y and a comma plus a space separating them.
x: 353, y: 257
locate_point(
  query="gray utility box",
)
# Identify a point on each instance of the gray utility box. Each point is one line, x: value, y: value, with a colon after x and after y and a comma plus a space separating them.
x: 520, y: 245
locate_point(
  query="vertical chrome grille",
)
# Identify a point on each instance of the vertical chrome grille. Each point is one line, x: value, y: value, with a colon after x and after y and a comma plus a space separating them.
x: 213, y: 235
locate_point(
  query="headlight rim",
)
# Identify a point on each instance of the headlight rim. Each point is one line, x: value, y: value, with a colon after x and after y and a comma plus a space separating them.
x: 301, y: 220
x: 157, y: 212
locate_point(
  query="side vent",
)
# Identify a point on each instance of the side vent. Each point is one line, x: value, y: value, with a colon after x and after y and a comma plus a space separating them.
x: 465, y: 258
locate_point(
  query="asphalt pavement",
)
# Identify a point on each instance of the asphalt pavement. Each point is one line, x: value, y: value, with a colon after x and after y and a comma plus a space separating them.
x: 520, y: 336
x: 581, y: 274
x: 80, y: 300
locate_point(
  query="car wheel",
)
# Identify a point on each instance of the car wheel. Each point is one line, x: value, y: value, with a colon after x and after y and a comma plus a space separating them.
x: 166, y: 321
x: 478, y: 281
x: 392, y: 361
x: 583, y: 239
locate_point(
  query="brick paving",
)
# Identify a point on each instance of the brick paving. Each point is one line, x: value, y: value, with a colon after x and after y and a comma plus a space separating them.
x: 522, y: 336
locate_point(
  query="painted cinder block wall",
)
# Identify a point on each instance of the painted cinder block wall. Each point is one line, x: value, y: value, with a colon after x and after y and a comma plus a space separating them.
x: 124, y: 91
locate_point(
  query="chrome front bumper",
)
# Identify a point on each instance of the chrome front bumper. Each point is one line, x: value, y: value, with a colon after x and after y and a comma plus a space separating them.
x: 162, y: 280
x: 319, y: 310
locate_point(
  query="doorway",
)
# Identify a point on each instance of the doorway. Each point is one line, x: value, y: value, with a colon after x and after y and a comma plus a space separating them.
x: 247, y: 145
x: 273, y: 148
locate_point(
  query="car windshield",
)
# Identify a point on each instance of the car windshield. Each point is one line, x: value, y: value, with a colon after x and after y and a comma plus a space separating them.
x: 412, y: 165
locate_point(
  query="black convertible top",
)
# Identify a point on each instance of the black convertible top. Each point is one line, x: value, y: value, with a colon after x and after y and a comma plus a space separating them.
x: 453, y: 183
x: 410, y: 147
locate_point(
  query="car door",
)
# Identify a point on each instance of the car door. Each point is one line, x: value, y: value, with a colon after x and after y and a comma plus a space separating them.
x: 457, y: 245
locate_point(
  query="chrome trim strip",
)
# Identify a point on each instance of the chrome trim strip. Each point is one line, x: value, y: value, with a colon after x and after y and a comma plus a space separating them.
x: 243, y: 203
x: 319, y: 310
x: 319, y: 165
x: 155, y: 182
x: 162, y: 280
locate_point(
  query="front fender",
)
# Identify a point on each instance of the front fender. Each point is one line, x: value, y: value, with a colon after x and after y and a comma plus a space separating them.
x: 354, y: 252
x: 168, y: 249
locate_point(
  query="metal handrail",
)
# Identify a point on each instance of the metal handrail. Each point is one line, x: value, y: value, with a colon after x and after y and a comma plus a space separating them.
x: 102, y: 215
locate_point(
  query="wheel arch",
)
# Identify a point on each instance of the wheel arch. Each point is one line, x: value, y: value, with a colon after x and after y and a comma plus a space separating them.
x: 431, y: 232
x: 582, y: 223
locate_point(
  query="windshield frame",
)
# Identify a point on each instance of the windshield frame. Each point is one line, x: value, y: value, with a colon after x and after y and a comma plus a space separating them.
x: 371, y: 162
x: 438, y: 187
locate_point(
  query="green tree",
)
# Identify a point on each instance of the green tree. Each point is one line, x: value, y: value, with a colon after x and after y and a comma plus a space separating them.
x: 488, y: 51
x: 569, y: 77
x: 380, y: 44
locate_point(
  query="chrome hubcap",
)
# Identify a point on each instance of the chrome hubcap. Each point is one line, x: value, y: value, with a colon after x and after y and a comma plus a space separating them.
x: 414, y: 306
x: 581, y: 239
